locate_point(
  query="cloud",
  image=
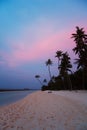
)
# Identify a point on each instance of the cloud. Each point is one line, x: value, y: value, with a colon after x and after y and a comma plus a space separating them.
x: 36, y: 42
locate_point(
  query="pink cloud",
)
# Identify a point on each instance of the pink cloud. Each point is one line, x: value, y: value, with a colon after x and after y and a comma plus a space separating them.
x: 38, y: 50
x: 37, y: 42
x: 22, y: 54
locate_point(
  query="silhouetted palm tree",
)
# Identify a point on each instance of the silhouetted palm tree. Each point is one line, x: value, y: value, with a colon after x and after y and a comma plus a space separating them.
x: 82, y: 60
x: 37, y: 77
x: 49, y: 63
x: 58, y: 55
x: 45, y: 81
x: 80, y: 39
x: 82, y: 63
x: 65, y: 66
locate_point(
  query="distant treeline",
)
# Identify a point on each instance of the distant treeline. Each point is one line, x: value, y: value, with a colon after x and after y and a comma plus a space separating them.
x: 25, y: 89
x: 2, y: 90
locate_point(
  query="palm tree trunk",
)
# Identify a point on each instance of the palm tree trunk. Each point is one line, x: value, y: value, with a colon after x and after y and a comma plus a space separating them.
x: 83, y: 79
x: 69, y: 82
x: 63, y: 83
x: 49, y: 72
x: 58, y: 62
x: 40, y: 82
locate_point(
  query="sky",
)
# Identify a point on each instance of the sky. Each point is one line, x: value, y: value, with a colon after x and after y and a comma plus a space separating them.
x: 31, y: 31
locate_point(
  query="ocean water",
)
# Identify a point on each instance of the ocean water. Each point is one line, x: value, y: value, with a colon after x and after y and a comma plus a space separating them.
x: 12, y: 96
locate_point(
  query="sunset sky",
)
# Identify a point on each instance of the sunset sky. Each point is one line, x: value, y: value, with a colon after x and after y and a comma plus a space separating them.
x: 31, y: 31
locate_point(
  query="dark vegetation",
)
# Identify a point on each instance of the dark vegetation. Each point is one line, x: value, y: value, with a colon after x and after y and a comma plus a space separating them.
x: 24, y: 89
x: 3, y: 90
x: 66, y: 79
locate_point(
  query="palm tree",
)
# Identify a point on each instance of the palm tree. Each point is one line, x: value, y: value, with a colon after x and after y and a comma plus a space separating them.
x: 58, y: 55
x: 82, y: 63
x: 65, y: 66
x: 45, y: 81
x: 49, y: 63
x: 80, y: 39
x: 37, y: 77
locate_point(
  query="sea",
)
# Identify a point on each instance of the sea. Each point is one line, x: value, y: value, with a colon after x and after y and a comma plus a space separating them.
x: 9, y: 97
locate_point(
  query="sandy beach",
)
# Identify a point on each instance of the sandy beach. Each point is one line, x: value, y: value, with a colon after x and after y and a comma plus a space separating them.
x: 59, y: 110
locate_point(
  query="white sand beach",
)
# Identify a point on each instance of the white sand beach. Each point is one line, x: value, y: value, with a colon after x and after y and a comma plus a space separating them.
x: 59, y: 110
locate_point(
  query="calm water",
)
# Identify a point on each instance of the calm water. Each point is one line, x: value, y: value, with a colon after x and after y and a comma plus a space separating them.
x: 13, y: 96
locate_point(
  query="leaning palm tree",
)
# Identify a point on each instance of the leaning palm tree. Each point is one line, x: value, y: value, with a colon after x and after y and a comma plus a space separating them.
x: 65, y: 66
x: 37, y: 77
x: 49, y: 63
x: 58, y: 55
x: 80, y: 39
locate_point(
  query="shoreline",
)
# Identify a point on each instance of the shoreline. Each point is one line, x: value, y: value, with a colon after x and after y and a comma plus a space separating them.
x: 45, y: 111
x: 10, y: 97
